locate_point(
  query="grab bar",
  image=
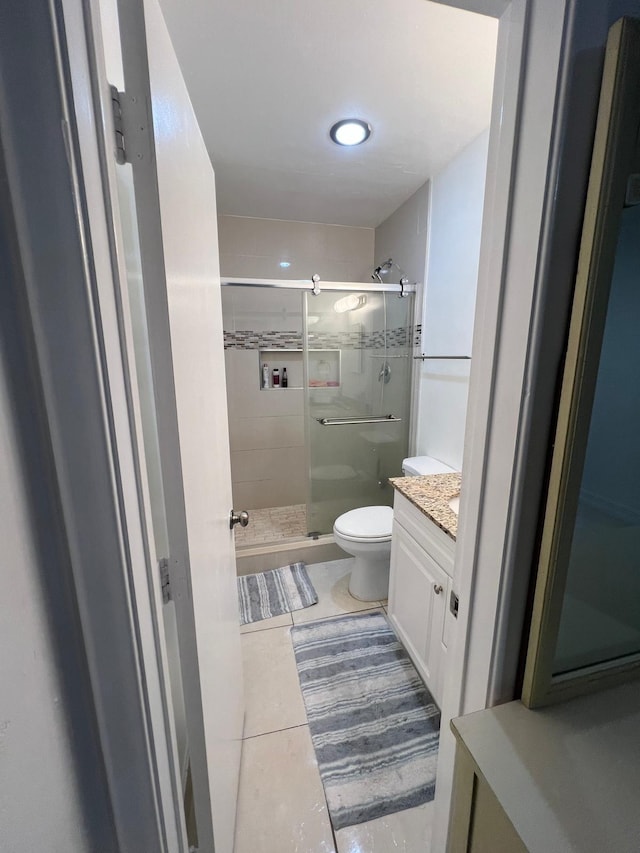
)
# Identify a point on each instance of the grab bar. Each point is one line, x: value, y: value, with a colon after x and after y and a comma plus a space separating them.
x: 380, y: 419
x: 442, y: 357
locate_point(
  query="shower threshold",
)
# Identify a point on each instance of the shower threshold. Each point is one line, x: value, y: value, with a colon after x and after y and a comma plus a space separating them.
x: 277, y: 536
x: 273, y: 524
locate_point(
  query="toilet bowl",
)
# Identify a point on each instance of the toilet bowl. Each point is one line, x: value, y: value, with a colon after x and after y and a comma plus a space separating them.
x: 365, y: 533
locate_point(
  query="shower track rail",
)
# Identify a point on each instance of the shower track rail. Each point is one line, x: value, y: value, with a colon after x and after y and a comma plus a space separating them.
x: 379, y: 419
x: 318, y: 286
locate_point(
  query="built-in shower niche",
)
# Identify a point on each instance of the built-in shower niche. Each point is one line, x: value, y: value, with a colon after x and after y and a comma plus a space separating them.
x: 323, y: 367
x: 292, y: 359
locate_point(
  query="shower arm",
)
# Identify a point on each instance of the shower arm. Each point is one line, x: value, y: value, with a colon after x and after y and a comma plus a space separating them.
x: 385, y: 267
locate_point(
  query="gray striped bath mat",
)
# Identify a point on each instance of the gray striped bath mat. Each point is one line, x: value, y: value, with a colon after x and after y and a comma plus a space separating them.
x: 374, y: 725
x: 272, y: 593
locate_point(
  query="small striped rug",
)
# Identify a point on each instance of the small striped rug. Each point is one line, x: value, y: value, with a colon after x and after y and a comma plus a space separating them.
x: 374, y: 725
x: 272, y: 593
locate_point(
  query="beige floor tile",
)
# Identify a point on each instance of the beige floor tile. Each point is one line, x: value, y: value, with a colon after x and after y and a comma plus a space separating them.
x: 408, y: 831
x: 281, y: 806
x: 283, y: 621
x: 331, y: 581
x: 272, y: 690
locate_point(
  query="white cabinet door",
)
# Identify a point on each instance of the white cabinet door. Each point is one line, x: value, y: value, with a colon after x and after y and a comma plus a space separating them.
x: 417, y: 593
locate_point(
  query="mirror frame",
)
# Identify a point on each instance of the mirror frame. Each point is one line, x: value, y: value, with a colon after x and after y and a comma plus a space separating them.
x: 616, y: 156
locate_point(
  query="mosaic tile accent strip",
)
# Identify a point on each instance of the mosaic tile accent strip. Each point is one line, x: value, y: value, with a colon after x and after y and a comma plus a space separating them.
x: 250, y: 339
x: 391, y: 339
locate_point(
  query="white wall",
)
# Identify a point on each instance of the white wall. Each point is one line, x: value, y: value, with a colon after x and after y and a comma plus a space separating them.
x: 455, y: 223
x: 403, y: 236
x: 255, y: 247
x: 52, y: 793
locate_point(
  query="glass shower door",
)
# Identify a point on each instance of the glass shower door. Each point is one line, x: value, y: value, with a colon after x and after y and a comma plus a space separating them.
x: 357, y: 397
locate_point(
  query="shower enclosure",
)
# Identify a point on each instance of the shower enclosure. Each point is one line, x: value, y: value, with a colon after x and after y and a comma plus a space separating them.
x: 357, y: 363
x: 329, y: 441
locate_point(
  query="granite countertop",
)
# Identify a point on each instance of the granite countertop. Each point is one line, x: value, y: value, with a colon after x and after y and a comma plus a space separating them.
x: 431, y: 493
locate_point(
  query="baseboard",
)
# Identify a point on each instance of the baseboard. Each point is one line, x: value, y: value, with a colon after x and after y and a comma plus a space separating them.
x: 265, y: 557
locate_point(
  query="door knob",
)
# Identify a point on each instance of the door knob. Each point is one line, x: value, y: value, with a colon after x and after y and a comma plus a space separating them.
x: 437, y: 588
x: 241, y: 518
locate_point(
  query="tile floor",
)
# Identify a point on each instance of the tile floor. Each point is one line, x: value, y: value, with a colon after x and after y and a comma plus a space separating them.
x: 281, y: 805
x: 273, y: 524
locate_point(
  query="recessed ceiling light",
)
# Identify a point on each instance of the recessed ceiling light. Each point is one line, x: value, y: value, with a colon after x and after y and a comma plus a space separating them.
x: 285, y: 264
x: 350, y: 131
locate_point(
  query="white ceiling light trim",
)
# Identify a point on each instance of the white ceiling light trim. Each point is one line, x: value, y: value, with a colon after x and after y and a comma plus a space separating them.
x: 350, y: 131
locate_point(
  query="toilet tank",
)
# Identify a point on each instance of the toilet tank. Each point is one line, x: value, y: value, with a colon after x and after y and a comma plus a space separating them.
x: 414, y: 466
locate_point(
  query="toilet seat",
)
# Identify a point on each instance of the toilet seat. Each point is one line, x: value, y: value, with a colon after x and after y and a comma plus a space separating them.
x: 366, y: 524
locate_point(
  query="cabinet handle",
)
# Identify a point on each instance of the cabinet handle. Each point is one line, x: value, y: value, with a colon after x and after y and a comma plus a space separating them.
x: 437, y: 588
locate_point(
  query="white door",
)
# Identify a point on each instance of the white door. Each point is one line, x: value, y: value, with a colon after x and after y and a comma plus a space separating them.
x: 165, y: 213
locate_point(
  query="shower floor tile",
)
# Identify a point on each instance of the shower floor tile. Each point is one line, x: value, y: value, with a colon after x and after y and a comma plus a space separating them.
x: 273, y: 524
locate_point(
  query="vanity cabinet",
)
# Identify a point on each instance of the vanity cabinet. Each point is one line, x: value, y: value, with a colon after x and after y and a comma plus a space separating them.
x: 419, y: 587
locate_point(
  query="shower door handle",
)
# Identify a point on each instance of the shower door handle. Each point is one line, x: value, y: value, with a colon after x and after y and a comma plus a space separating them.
x: 381, y: 419
x: 241, y: 518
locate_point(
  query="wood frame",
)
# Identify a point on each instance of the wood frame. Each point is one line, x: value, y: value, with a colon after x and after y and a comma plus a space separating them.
x: 615, y: 155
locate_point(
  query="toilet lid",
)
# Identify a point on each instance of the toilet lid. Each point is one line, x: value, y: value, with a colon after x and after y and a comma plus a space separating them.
x: 367, y: 522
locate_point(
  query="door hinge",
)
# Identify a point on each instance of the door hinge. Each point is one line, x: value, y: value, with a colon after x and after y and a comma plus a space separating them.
x: 454, y: 603
x: 165, y: 580
x: 118, y: 125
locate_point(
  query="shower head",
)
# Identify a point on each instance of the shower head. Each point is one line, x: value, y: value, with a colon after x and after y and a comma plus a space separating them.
x: 383, y: 269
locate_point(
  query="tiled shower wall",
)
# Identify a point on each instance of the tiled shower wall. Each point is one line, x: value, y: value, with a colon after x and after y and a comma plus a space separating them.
x: 268, y: 458
x: 255, y: 248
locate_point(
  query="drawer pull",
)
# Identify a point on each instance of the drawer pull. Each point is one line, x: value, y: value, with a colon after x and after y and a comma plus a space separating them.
x: 437, y: 588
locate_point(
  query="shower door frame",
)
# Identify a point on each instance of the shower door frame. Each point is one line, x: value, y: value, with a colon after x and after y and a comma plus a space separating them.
x: 378, y: 416
x: 315, y: 287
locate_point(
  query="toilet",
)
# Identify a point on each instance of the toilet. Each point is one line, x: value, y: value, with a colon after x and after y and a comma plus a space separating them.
x: 365, y: 533
x: 415, y: 466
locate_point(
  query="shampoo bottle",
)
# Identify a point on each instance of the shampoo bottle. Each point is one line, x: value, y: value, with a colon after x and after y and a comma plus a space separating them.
x: 276, y: 377
x: 265, y: 375
x: 285, y: 378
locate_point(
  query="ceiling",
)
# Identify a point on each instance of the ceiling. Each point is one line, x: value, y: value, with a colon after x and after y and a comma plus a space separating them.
x: 269, y: 77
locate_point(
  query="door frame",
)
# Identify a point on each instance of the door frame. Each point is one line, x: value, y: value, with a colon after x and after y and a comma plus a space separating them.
x: 516, y: 355
x: 56, y: 194
x: 129, y: 22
